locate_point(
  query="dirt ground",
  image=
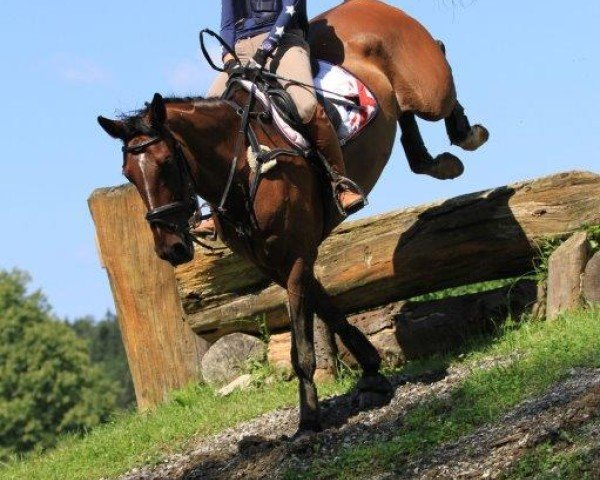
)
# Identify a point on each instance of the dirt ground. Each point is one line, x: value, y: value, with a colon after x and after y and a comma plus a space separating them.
x: 261, y: 449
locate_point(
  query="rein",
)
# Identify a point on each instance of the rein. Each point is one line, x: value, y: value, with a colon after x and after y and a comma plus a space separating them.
x: 339, y: 98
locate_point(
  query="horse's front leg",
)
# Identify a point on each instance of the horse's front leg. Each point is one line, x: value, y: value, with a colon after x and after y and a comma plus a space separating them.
x: 374, y: 390
x: 301, y: 305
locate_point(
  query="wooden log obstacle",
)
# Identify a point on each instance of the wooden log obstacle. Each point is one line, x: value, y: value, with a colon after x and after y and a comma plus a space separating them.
x: 169, y: 317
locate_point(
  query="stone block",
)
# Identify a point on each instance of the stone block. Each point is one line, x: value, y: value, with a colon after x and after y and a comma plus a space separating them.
x: 565, y: 269
x: 591, y: 280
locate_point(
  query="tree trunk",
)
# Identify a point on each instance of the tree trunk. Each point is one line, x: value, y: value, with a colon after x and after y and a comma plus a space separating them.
x: 409, y: 330
x: 473, y: 238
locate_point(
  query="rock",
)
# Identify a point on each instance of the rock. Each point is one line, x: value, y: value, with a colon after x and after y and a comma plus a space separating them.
x: 240, y: 383
x: 229, y: 357
x: 565, y: 268
x: 591, y: 281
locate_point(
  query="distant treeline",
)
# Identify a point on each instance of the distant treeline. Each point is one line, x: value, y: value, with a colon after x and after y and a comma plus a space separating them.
x: 56, y: 377
x: 107, y: 352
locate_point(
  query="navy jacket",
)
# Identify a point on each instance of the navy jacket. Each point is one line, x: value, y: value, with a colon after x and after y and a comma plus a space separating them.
x: 247, y: 18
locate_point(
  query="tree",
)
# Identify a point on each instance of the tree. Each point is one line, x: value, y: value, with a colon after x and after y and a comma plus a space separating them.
x: 106, y: 351
x: 47, y: 383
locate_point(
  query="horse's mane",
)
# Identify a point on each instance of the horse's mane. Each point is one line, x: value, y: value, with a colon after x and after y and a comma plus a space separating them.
x: 135, y: 122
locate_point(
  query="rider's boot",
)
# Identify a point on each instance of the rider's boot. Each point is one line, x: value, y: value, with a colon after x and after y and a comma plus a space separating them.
x: 325, y: 140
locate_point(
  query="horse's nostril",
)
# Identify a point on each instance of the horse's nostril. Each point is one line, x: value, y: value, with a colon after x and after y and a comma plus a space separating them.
x: 180, y: 251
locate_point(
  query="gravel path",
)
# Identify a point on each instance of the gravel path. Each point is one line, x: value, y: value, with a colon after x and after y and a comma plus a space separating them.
x: 260, y: 449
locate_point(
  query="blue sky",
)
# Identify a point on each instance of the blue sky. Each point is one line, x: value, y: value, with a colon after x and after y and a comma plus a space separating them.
x: 528, y: 70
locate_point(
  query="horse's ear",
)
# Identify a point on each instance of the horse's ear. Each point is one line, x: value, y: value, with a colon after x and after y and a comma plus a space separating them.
x: 157, y: 111
x: 114, y: 128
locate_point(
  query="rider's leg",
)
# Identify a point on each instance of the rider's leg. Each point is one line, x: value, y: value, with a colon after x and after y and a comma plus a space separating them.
x: 325, y: 140
x: 244, y: 49
x: 292, y: 60
x: 218, y: 87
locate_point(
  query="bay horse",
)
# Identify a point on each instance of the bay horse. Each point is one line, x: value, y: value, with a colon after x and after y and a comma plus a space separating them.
x: 175, y: 149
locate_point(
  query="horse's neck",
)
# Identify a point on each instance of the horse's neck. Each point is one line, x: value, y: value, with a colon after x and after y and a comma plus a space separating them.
x: 206, y: 130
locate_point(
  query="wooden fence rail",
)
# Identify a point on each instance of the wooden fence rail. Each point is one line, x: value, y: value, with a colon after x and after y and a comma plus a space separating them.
x: 473, y: 238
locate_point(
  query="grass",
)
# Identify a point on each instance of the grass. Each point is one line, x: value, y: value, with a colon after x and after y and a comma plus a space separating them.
x: 577, y: 462
x: 468, y: 289
x: 546, y: 352
x: 144, y: 439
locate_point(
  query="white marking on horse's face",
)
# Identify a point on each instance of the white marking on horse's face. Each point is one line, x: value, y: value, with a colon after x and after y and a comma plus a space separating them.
x: 143, y: 163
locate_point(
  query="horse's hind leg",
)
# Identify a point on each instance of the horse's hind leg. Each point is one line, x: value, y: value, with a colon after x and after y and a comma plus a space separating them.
x: 444, y: 167
x: 459, y: 129
x: 374, y: 389
x: 461, y: 132
x: 301, y: 304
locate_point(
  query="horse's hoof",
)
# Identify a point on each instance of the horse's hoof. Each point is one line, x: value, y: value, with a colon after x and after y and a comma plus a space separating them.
x: 375, y: 383
x: 374, y: 391
x: 370, y: 401
x: 446, y: 167
x: 304, y: 433
x: 476, y: 138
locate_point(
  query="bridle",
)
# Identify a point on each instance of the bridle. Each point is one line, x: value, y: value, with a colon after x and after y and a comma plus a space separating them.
x: 162, y: 216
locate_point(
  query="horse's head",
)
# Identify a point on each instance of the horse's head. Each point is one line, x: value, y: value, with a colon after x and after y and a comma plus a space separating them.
x: 155, y: 163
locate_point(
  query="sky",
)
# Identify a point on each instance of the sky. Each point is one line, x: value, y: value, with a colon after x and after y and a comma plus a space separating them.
x: 527, y: 70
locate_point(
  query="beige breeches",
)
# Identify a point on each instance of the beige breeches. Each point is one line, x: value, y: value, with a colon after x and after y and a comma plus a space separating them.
x: 291, y: 59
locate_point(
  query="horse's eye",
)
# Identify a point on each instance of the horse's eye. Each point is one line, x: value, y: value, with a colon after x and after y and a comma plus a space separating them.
x: 167, y: 165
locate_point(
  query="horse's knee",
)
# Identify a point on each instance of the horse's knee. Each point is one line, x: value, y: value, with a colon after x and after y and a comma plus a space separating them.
x: 439, y: 108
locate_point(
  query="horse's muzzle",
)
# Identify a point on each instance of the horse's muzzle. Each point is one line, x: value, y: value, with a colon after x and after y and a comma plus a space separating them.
x: 177, y: 252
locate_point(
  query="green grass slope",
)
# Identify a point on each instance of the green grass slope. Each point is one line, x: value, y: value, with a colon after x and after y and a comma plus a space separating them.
x: 545, y: 352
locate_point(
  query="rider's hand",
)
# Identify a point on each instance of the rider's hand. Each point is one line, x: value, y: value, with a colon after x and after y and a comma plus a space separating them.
x: 252, y: 70
x: 260, y: 57
x: 229, y: 66
x: 229, y: 63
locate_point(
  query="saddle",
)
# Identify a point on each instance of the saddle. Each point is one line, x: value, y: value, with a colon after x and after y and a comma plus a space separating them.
x: 348, y: 102
x: 349, y: 113
x: 284, y: 105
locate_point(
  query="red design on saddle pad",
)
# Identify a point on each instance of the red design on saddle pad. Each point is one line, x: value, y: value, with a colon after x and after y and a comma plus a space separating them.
x: 340, y: 84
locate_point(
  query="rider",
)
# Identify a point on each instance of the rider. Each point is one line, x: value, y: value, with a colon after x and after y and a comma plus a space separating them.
x: 272, y: 34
